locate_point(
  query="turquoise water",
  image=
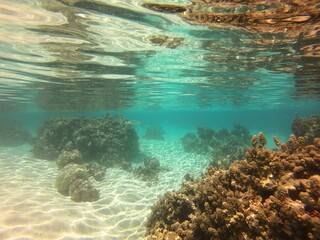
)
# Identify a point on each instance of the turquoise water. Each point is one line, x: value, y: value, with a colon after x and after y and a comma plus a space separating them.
x: 88, y: 57
x: 83, y: 58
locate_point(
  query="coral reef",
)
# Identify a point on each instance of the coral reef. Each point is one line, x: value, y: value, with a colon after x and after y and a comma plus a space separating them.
x: 309, y: 128
x: 110, y: 141
x: 273, y: 194
x: 277, y: 16
x: 154, y: 132
x: 67, y: 157
x: 13, y: 133
x: 223, y: 146
x: 193, y: 144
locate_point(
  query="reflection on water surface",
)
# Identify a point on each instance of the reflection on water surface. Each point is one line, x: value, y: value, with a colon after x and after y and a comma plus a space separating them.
x: 107, y: 55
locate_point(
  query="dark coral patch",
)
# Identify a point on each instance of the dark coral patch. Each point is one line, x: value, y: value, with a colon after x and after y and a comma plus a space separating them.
x: 273, y: 194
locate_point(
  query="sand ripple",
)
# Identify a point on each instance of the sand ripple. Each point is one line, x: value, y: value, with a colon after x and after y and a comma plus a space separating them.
x: 31, y: 208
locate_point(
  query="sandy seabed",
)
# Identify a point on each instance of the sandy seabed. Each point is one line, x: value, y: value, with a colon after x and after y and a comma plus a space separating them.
x: 31, y: 208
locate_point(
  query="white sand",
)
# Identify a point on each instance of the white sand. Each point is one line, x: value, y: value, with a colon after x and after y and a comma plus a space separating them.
x: 31, y: 208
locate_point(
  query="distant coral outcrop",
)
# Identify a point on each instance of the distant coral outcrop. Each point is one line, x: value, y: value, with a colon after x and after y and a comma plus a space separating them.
x: 154, y: 132
x: 223, y: 146
x: 111, y: 141
x: 273, y: 194
x: 12, y: 133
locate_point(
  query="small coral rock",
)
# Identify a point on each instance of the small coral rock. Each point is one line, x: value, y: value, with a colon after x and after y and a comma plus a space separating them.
x: 68, y: 175
x: 150, y: 170
x: 82, y: 191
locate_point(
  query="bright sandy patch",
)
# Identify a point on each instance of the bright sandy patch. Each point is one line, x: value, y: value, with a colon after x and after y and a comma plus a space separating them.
x: 31, y: 208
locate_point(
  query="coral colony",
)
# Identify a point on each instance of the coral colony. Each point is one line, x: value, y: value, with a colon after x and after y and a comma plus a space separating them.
x: 273, y: 194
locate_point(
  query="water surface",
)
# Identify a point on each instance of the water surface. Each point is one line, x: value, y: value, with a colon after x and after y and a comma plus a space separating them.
x: 110, y: 55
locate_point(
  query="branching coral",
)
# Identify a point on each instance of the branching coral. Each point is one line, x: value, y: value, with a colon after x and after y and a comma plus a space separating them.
x: 270, y: 195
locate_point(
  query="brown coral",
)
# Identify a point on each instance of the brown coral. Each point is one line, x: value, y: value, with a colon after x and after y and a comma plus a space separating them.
x: 262, y: 139
x: 277, y: 142
x: 254, y: 140
x: 270, y: 195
